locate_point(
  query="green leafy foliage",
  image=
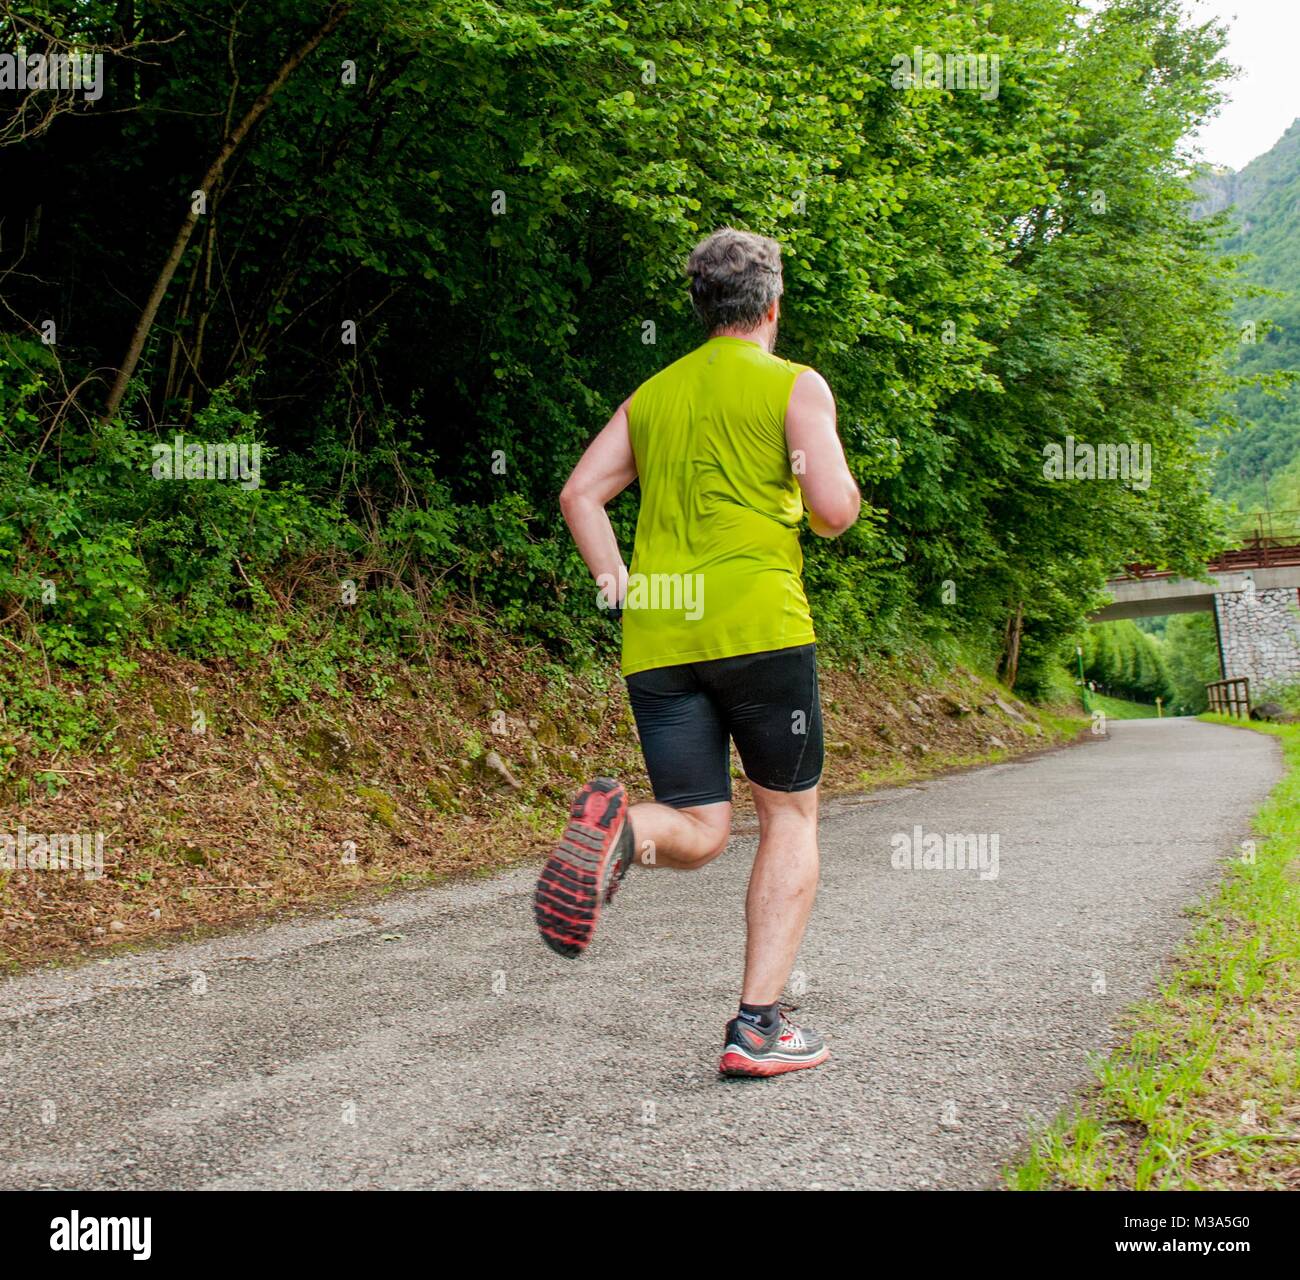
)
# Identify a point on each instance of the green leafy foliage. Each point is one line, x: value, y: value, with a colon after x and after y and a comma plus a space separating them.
x: 1173, y: 661
x: 1191, y: 648
x: 499, y: 200
x: 1259, y: 468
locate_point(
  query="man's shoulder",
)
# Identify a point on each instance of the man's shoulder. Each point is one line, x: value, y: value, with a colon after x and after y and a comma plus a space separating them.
x: 663, y: 380
x: 696, y: 361
x: 769, y: 360
x: 681, y: 365
x: 706, y: 353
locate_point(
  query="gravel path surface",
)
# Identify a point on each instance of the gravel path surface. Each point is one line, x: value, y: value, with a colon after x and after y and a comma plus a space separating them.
x: 429, y: 1040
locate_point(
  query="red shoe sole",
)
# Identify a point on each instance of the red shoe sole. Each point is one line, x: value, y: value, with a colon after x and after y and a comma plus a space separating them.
x: 736, y: 1064
x: 566, y: 902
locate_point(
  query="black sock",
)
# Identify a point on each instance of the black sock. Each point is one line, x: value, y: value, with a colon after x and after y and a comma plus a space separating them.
x: 762, y: 1016
x: 626, y: 847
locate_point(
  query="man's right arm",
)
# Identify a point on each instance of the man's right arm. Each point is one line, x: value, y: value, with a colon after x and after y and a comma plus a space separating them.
x: 606, y: 468
x: 817, y: 457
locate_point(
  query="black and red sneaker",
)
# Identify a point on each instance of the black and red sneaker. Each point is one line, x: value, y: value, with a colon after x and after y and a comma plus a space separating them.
x: 750, y: 1051
x: 586, y: 868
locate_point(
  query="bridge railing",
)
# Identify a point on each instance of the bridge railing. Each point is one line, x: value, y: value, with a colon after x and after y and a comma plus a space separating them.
x: 1231, y: 697
x: 1270, y: 541
x: 1273, y: 529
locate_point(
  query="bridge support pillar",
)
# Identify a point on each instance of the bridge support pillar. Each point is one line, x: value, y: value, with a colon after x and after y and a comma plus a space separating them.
x: 1259, y: 634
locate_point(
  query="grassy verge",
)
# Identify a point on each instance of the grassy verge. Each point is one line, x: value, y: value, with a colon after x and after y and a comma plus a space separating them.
x: 1122, y: 708
x: 1205, y: 1093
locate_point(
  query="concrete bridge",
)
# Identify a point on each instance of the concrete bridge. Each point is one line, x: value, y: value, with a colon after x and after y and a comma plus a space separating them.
x: 1253, y: 591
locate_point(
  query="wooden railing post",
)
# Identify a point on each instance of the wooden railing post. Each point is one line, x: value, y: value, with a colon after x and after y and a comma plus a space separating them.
x: 1231, y: 696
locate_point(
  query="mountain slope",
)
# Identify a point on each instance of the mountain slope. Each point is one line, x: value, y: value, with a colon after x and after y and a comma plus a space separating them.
x: 1260, y: 468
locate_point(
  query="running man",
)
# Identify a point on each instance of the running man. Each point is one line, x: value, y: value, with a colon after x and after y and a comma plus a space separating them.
x: 730, y: 444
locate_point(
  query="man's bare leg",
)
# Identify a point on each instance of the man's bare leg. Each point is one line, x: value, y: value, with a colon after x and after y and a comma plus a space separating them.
x: 761, y: 1040
x: 782, y: 886
x: 681, y: 839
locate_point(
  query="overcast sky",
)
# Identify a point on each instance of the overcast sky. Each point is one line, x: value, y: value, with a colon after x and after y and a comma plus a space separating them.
x: 1265, y: 98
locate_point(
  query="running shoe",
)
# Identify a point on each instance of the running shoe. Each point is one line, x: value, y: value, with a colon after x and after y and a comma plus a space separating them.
x: 586, y: 868
x: 787, y: 1047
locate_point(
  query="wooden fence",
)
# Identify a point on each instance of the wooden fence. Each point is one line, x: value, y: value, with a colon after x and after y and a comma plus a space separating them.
x: 1231, y: 697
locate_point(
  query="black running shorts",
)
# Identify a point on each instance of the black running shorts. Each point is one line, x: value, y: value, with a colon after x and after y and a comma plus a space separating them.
x: 688, y: 715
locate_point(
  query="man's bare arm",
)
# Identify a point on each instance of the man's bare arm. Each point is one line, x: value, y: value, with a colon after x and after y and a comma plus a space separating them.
x: 817, y: 456
x: 603, y: 472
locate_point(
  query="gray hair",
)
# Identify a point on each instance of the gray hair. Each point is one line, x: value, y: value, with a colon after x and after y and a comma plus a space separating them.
x: 735, y: 277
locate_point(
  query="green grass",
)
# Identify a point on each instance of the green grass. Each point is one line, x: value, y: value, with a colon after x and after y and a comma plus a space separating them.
x: 1205, y: 1092
x: 1122, y: 708
x: 1063, y: 725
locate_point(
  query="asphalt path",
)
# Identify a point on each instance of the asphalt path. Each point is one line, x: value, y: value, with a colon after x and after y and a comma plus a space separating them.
x: 428, y: 1039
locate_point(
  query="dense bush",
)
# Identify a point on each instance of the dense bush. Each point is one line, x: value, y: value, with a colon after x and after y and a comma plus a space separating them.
x: 500, y: 201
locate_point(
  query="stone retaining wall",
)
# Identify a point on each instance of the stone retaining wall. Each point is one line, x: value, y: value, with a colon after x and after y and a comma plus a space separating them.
x: 1260, y: 633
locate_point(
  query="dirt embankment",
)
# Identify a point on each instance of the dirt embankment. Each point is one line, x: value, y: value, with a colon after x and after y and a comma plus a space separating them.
x: 212, y: 809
